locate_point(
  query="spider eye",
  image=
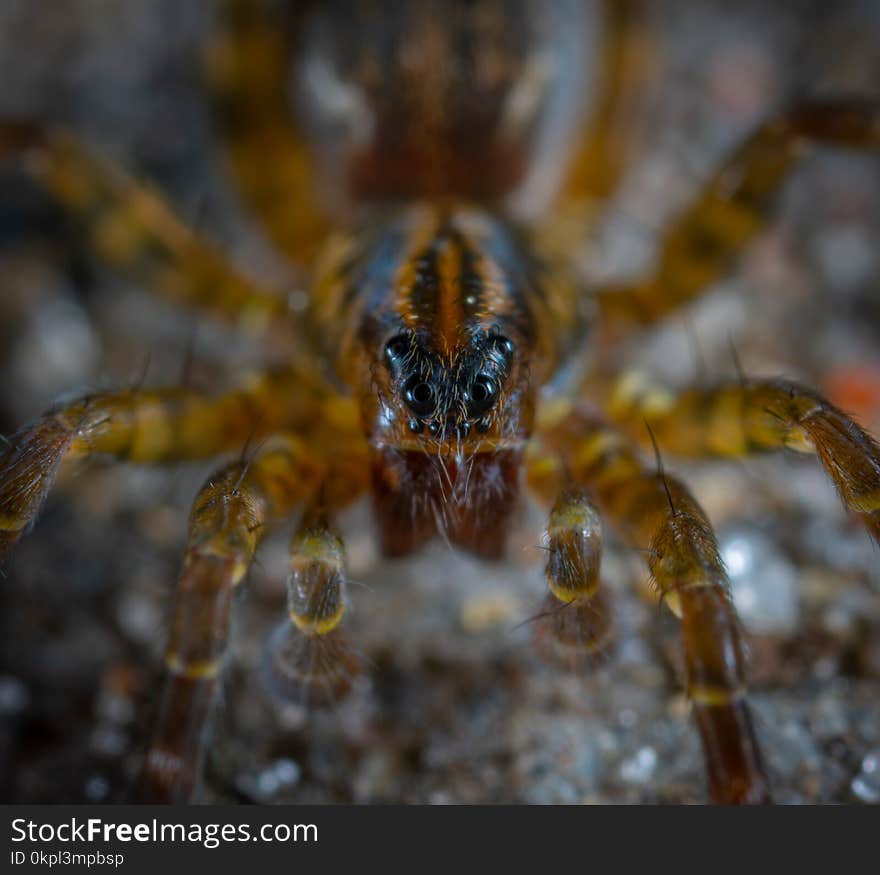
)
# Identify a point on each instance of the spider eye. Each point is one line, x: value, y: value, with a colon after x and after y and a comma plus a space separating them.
x: 396, y: 349
x: 419, y: 396
x: 502, y: 345
x: 481, y: 395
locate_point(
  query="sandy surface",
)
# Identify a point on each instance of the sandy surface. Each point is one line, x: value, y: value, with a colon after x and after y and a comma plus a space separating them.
x: 454, y: 705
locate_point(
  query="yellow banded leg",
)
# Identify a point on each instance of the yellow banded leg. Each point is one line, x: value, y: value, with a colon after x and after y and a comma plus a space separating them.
x: 701, y: 245
x: 575, y: 622
x: 130, y: 227
x: 309, y: 659
x: 653, y: 511
x: 228, y: 519
x: 139, y: 426
x: 249, y: 65
x: 759, y: 415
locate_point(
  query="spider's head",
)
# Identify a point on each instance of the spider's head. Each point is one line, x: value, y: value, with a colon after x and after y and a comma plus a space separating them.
x: 441, y: 320
x: 449, y: 337
x: 472, y: 397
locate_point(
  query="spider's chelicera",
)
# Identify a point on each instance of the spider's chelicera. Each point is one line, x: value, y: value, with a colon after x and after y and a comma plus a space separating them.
x: 442, y: 361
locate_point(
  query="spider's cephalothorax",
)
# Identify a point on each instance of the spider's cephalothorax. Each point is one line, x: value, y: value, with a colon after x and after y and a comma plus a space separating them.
x: 452, y: 325
x: 446, y: 141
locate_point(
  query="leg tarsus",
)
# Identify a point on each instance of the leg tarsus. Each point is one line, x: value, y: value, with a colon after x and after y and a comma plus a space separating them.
x: 735, y: 770
x: 28, y: 468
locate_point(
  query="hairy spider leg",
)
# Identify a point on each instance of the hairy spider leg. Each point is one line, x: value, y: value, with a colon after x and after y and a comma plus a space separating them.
x: 129, y: 226
x: 701, y: 245
x: 228, y: 520
x: 600, y: 157
x: 140, y: 426
x: 309, y: 659
x: 752, y: 416
x: 248, y: 64
x: 574, y: 626
x: 652, y: 510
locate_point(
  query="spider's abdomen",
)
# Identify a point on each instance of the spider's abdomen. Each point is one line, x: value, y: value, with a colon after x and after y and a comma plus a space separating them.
x: 442, y: 98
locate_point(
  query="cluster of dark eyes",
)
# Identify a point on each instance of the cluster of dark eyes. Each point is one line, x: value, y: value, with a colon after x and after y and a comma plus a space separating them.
x: 421, y: 396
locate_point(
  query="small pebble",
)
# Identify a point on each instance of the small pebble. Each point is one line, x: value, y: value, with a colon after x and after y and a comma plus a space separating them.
x: 627, y: 718
x: 763, y: 582
x: 866, y: 785
x: 109, y: 741
x: 482, y: 612
x: 57, y: 350
x: 14, y: 696
x: 640, y: 768
x: 97, y: 788
x: 279, y: 775
x: 267, y: 783
x: 115, y: 708
x: 847, y: 256
x: 139, y: 615
x: 298, y: 301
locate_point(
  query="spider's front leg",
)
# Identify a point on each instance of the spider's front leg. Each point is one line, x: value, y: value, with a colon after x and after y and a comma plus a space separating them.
x: 701, y: 245
x: 657, y: 512
x: 228, y: 520
x: 139, y: 426
x: 752, y: 416
x: 308, y: 659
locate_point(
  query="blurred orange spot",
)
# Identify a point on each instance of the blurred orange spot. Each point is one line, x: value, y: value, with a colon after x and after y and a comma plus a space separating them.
x: 856, y: 390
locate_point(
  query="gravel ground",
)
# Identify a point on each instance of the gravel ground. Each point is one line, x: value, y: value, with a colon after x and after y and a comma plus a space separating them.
x: 455, y: 706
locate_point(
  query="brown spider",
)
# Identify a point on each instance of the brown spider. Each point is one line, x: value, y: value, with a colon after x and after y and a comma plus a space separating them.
x: 442, y: 359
